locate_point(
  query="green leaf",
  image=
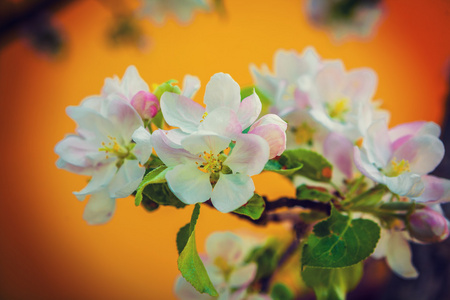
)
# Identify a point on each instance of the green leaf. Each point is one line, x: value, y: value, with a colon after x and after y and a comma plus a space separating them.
x: 189, y: 262
x: 158, y: 175
x: 253, y: 208
x: 166, y: 87
x: 281, y: 292
x: 154, y: 162
x: 315, y: 166
x: 306, y: 192
x: 339, y: 241
x: 158, y: 120
x: 266, y: 258
x: 274, y: 166
x: 161, y: 194
x: 369, y: 198
x: 149, y: 204
x: 404, y: 206
x: 332, y: 284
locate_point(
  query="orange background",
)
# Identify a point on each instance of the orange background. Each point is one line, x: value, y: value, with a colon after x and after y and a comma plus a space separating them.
x: 47, y: 250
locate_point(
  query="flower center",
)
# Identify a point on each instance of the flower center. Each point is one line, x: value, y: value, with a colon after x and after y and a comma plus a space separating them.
x: 223, y: 265
x: 303, y: 134
x: 203, y: 116
x: 212, y: 163
x: 113, y: 148
x: 396, y: 168
x: 339, y: 108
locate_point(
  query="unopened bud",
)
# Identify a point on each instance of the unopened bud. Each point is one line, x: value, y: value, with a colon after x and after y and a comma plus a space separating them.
x: 428, y: 226
x: 146, y: 104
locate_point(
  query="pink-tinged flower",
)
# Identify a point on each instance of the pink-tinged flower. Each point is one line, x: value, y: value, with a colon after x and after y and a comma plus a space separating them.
x: 224, y: 114
x: 225, y: 265
x: 338, y: 149
x: 340, y: 100
x: 108, y: 146
x: 428, y: 225
x: 400, y: 157
x: 201, y: 170
x: 394, y: 246
x: 288, y: 87
x: 146, y: 104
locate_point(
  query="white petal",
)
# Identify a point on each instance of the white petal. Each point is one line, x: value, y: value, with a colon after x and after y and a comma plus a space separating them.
x: 381, y: 249
x: 175, y: 136
x: 222, y: 121
x: 185, y: 291
x: 339, y: 150
x: 274, y: 136
x: 143, y: 148
x: 423, y: 153
x: 377, y: 143
x: 197, y: 143
x: 249, y: 155
x: 126, y: 180
x: 360, y: 85
x: 406, y: 184
x: 266, y: 83
x: 79, y: 152
x: 189, y: 184
x: 191, y: 84
x: 243, y: 276
x: 249, y: 110
x: 99, y: 181
x: 124, y: 117
x: 99, y: 208
x: 399, y: 256
x: 169, y: 155
x: 232, y: 191
x: 130, y: 85
x: 364, y: 165
x: 226, y: 245
x: 220, y: 91
x: 180, y: 111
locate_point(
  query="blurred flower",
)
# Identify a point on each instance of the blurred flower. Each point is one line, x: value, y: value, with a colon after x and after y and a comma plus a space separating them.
x: 345, y: 17
x: 224, y: 262
x: 109, y: 146
x: 157, y: 10
x: 428, y: 225
x: 400, y: 157
x: 201, y: 170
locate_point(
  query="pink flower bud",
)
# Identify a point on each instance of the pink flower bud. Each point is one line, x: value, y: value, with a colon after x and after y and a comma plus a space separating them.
x: 428, y: 226
x: 146, y: 104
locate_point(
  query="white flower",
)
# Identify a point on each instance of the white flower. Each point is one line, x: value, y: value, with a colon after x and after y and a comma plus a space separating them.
x: 104, y: 149
x: 224, y: 262
x: 202, y: 161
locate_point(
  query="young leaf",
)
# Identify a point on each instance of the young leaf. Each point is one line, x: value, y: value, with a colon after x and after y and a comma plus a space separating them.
x: 281, y: 292
x: 158, y: 120
x: 339, y: 242
x: 332, y: 284
x: 158, y: 175
x: 274, y: 166
x: 306, y: 192
x: 369, y: 198
x: 189, y: 262
x: 253, y: 208
x: 315, y: 166
x: 161, y: 194
x: 266, y: 258
x: 166, y: 87
x: 405, y: 206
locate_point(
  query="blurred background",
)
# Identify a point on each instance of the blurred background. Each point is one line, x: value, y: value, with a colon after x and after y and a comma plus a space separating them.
x: 55, y: 53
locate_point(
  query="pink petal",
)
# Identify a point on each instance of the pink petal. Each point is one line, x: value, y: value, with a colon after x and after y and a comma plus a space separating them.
x: 249, y: 155
x: 270, y: 119
x: 274, y: 136
x: 243, y: 276
x: 99, y: 208
x: 436, y: 190
x: 169, y: 155
x: 339, y: 150
x: 225, y: 245
x: 199, y: 142
x: 222, y: 121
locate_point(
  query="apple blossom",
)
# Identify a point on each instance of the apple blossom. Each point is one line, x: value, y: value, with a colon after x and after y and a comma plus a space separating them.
x: 109, y: 145
x: 226, y: 267
x: 401, y: 162
x: 224, y: 114
x: 428, y: 225
x: 201, y: 169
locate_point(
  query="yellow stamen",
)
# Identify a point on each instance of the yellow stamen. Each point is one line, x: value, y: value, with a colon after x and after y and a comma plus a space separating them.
x: 397, y: 168
x: 339, y: 108
x: 303, y: 134
x: 203, y: 116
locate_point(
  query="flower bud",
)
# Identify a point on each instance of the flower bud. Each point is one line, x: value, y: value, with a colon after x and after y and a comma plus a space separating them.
x: 146, y: 104
x: 428, y: 226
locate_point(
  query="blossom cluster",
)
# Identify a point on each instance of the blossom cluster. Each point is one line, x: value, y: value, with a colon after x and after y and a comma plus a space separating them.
x: 310, y: 120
